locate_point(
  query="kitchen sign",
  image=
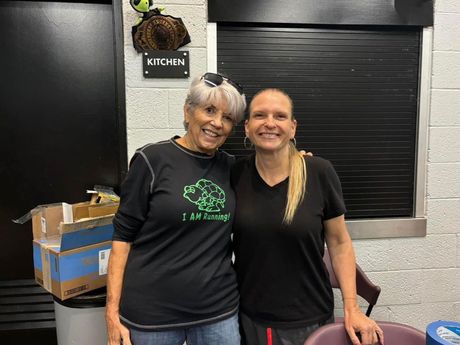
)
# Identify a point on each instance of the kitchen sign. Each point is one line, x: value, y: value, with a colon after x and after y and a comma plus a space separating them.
x: 166, y: 64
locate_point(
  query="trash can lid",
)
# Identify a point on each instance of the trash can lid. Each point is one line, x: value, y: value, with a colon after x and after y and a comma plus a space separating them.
x: 91, y: 299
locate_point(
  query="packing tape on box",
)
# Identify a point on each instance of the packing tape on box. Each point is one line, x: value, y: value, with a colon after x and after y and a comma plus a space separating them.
x: 443, y: 333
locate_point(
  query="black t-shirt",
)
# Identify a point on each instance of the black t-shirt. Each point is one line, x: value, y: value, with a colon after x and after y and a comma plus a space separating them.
x: 281, y: 275
x: 177, y: 209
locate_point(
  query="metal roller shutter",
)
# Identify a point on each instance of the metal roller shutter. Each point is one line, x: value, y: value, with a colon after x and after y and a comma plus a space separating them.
x: 355, y: 95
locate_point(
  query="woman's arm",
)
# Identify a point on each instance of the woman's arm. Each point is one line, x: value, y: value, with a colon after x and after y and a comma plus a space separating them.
x: 116, y: 332
x: 344, y: 264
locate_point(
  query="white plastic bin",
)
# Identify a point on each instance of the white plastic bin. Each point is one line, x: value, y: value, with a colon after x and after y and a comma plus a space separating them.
x: 80, y: 320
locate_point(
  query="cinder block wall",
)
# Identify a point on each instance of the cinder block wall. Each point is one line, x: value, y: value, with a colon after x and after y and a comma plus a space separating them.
x: 420, y: 277
x: 154, y: 107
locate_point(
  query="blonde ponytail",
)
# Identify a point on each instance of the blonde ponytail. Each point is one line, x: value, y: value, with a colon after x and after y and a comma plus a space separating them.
x: 297, y: 183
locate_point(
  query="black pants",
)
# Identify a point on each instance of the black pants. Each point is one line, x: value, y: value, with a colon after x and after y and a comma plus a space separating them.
x: 255, y: 334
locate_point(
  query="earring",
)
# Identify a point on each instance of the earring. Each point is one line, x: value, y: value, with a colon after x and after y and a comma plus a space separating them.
x: 294, y: 142
x: 245, y: 143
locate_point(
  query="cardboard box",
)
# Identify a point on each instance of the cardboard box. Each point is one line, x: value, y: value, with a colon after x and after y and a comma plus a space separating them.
x: 73, y: 272
x: 49, y: 221
x: 71, y: 249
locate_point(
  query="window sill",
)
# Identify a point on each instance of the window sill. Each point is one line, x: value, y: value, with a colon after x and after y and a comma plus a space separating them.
x: 386, y: 228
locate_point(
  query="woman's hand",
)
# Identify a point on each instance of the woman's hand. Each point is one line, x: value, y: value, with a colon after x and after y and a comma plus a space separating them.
x: 356, y: 321
x: 305, y: 153
x: 117, y: 334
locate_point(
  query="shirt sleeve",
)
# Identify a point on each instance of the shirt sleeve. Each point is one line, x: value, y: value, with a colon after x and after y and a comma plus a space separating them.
x: 134, y: 200
x: 334, y: 204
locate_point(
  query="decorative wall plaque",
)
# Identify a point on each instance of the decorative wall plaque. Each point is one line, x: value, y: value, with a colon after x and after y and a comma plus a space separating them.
x: 159, y: 32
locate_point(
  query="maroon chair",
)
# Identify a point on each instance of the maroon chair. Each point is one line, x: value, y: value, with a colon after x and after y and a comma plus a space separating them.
x: 364, y: 287
x: 394, y: 333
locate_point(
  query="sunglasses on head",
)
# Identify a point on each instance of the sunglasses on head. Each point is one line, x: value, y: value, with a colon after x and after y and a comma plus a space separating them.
x: 214, y: 79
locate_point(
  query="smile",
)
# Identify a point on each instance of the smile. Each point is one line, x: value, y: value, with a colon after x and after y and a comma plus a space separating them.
x: 269, y: 135
x: 210, y: 133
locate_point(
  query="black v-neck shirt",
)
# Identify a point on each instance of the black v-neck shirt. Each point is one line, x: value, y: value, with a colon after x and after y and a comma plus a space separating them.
x: 281, y: 275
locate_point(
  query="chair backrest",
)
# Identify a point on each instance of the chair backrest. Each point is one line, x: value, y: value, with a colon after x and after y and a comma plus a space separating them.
x: 364, y: 287
x: 395, y: 333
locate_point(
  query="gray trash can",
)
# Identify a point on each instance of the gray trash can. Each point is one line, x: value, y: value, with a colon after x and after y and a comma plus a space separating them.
x: 81, y: 320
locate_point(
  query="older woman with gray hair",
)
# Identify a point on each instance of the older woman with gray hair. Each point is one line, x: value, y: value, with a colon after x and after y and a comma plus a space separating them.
x: 170, y: 276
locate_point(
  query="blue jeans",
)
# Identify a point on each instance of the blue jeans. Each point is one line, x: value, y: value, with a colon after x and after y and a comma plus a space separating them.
x: 224, y: 332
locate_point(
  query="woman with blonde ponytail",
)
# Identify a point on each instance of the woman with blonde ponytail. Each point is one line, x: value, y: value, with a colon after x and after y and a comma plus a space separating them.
x: 287, y: 208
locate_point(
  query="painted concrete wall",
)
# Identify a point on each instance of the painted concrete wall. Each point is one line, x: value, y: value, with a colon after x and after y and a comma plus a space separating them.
x: 420, y: 277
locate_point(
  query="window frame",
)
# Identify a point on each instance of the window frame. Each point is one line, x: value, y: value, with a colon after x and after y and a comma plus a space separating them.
x: 416, y: 225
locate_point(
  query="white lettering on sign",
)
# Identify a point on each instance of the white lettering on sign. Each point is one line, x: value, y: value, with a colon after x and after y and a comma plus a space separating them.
x: 165, y: 62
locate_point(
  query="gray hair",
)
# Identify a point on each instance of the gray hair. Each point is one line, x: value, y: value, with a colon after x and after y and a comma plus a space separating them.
x: 201, y: 94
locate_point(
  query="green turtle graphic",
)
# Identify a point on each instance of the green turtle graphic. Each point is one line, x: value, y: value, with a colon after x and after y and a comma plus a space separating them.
x: 206, y: 195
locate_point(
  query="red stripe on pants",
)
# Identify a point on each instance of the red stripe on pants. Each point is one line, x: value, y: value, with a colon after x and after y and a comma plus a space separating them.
x: 269, y: 336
